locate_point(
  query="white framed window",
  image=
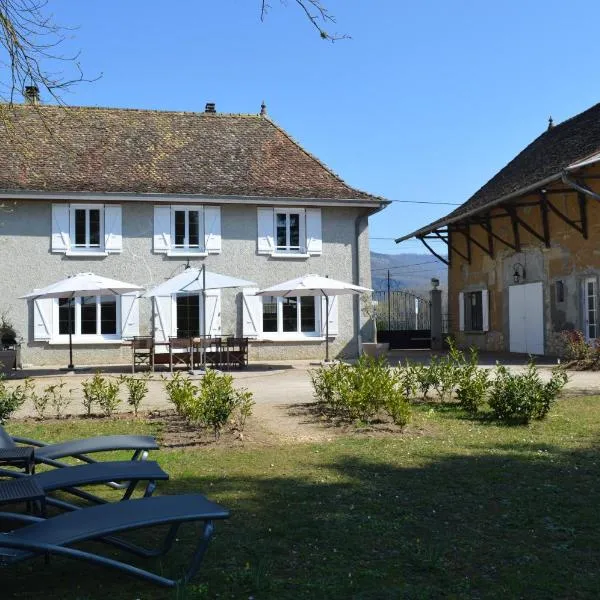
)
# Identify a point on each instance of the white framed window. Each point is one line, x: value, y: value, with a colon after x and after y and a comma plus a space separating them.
x: 187, y: 228
x: 288, y: 319
x: 289, y: 232
x: 192, y: 230
x: 86, y: 226
x: 86, y: 229
x: 290, y: 315
x: 92, y: 318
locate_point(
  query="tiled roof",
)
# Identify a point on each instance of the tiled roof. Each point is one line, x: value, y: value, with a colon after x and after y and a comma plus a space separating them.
x: 547, y: 156
x: 84, y: 149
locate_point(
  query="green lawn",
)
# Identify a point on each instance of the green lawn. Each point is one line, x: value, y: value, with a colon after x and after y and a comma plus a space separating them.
x: 454, y: 509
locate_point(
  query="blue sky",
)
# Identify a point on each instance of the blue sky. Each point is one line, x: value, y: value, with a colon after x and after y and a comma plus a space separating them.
x: 425, y: 103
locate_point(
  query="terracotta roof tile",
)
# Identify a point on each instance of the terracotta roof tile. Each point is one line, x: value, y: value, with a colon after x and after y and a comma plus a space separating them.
x: 50, y: 148
x: 548, y: 155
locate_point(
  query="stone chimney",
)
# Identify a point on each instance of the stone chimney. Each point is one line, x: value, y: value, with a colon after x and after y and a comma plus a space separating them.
x: 263, y: 109
x: 210, y: 108
x: 550, y: 123
x: 32, y: 94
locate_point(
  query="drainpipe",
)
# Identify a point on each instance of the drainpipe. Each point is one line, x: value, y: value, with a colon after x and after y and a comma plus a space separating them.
x: 357, y: 224
x: 580, y: 188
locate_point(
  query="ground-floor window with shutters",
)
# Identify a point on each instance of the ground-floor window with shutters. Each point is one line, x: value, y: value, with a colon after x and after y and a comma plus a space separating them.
x: 292, y: 319
x: 473, y: 310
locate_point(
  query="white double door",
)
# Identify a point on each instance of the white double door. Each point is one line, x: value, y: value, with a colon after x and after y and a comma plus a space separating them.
x: 526, y: 318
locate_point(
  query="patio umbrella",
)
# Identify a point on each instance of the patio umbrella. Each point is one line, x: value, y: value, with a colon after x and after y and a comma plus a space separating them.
x: 82, y: 284
x: 194, y: 280
x: 314, y: 285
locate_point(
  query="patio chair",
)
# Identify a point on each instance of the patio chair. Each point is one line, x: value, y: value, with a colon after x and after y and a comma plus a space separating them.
x: 56, y: 535
x: 142, y: 352
x: 237, y: 352
x: 179, y: 357
x: 49, y: 454
x: 71, y: 478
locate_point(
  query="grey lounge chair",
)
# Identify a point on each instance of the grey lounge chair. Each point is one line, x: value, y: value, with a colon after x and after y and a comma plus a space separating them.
x: 49, y: 454
x: 57, y: 534
x: 72, y: 478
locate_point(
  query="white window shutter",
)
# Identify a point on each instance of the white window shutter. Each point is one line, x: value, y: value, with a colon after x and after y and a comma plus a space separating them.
x: 252, y: 313
x: 60, y: 228
x: 212, y: 229
x: 266, y: 226
x: 163, y: 318
x: 42, y: 319
x: 162, y: 228
x: 213, y: 312
x: 332, y: 317
x: 130, y: 315
x: 314, y: 237
x: 461, y: 311
x: 485, y: 310
x: 113, y: 238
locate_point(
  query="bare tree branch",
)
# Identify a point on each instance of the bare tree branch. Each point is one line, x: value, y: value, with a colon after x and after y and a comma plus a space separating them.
x: 29, y: 51
x: 316, y: 12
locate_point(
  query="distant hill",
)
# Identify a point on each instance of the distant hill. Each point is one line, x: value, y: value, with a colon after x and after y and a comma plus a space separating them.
x: 411, y: 272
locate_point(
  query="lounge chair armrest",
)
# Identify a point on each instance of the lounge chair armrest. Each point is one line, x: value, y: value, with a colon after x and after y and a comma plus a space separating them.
x: 9, y: 516
x: 27, y: 441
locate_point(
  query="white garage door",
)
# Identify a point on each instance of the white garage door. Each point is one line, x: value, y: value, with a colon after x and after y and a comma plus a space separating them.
x: 526, y: 318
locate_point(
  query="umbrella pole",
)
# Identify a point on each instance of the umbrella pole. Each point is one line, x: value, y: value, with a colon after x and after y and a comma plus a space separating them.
x: 70, y: 325
x: 204, y: 316
x: 326, y: 328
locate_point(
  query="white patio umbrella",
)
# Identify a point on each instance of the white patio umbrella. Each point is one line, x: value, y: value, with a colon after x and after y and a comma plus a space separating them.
x: 314, y: 285
x: 194, y: 280
x: 82, y: 284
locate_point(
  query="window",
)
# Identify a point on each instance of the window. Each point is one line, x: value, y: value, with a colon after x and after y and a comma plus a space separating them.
x: 187, y: 230
x: 90, y: 316
x: 288, y: 232
x: 187, y: 226
x: 86, y: 229
x: 560, y: 291
x: 473, y: 311
x: 290, y: 315
x: 188, y: 315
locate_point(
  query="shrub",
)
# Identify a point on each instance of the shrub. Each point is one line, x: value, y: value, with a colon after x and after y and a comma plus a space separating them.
x: 102, y: 392
x: 473, y: 384
x: 473, y: 388
x: 360, y: 391
x: 57, y: 397
x: 575, y: 346
x: 40, y: 403
x: 407, y: 375
x: 181, y: 392
x: 522, y: 397
x: 425, y: 378
x: 137, y: 389
x: 12, y: 399
x: 212, y: 403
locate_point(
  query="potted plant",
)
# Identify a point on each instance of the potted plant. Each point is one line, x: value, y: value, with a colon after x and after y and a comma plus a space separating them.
x: 370, y: 308
x: 9, y: 347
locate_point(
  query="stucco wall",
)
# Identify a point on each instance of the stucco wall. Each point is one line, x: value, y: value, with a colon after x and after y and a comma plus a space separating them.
x: 570, y: 259
x: 27, y: 263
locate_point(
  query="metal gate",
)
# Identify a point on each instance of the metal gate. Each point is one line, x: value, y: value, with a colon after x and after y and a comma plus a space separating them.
x: 403, y: 319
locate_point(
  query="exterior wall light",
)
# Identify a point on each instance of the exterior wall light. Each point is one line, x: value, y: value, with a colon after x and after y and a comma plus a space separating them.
x: 518, y: 272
